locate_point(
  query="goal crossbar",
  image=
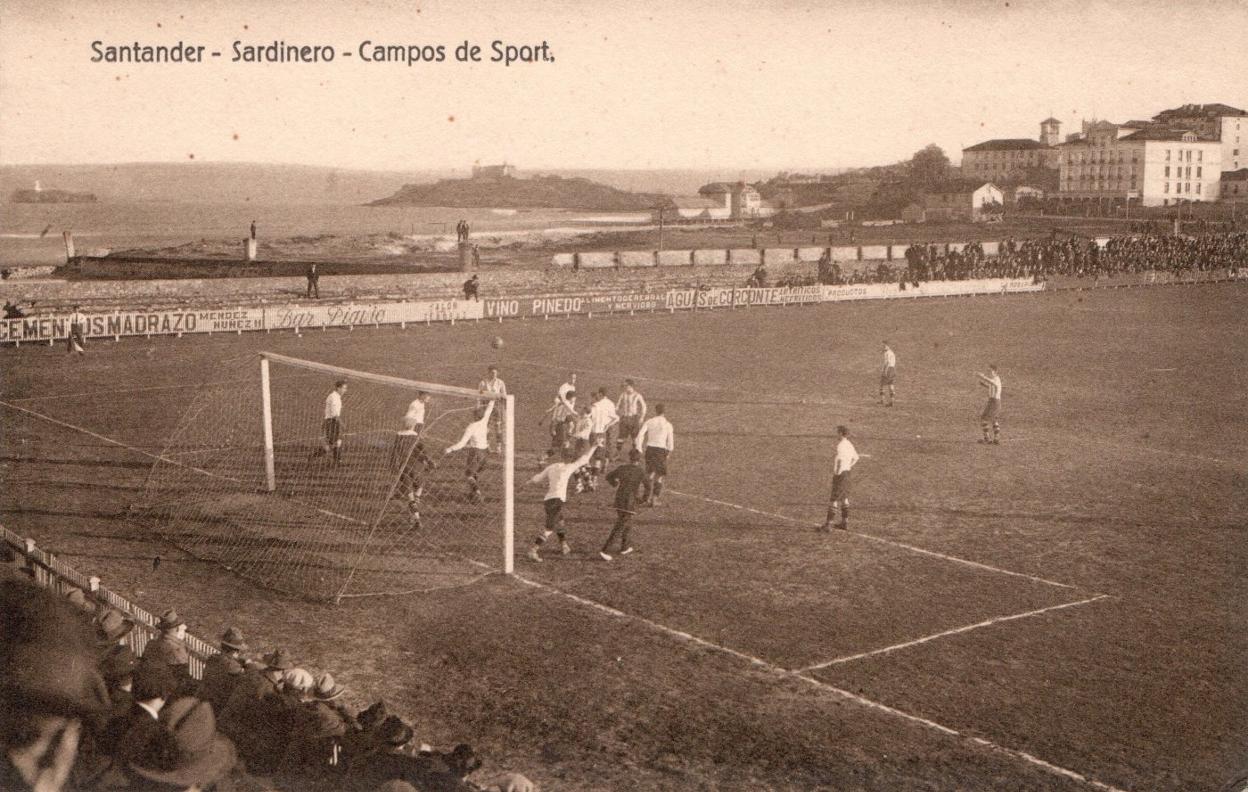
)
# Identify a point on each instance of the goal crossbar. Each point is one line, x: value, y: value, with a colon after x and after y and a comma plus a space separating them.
x: 430, y: 387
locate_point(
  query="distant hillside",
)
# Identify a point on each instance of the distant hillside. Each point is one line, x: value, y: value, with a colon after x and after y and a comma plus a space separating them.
x: 51, y: 196
x: 215, y: 182
x: 539, y: 192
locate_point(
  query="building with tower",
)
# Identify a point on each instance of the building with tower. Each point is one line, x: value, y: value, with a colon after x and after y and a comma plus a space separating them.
x: 1005, y: 160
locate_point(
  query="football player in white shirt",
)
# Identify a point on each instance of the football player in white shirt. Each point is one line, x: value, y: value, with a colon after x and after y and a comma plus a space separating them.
x: 556, y: 476
x: 888, y: 375
x: 602, y: 418
x: 476, y: 439
x: 331, y: 426
x: 992, y: 410
x: 414, y: 418
x: 842, y: 464
x: 494, y: 385
x: 655, y: 441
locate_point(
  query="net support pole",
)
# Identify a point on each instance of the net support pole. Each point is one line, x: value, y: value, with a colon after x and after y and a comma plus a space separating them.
x: 266, y: 401
x: 509, y: 485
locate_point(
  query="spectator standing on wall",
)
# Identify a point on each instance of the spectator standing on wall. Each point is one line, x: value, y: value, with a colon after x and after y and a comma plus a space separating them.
x: 253, y: 229
x: 314, y: 289
x: 77, y: 330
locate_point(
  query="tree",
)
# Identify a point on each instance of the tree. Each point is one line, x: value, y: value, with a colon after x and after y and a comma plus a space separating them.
x: 928, y: 166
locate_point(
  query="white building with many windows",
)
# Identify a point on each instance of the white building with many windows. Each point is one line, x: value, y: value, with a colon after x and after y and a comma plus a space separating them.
x: 1155, y: 166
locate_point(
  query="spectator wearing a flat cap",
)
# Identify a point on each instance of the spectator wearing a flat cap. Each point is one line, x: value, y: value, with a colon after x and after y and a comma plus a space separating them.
x: 48, y: 684
x: 170, y: 649
x: 257, y: 717
x: 191, y: 753
x: 223, y: 671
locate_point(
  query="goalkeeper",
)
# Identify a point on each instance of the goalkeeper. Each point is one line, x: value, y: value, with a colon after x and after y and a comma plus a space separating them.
x: 409, y: 460
x: 476, y: 440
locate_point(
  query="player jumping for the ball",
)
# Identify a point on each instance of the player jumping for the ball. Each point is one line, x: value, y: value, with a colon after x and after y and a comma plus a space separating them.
x: 556, y: 476
x: 476, y: 438
x: 888, y: 375
x: 842, y: 464
x: 414, y: 418
x: 331, y: 427
x: 493, y: 385
x: 992, y: 410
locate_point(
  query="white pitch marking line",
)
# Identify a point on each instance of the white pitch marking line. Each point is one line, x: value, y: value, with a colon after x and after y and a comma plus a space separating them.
x: 845, y: 694
x: 894, y: 543
x: 955, y: 631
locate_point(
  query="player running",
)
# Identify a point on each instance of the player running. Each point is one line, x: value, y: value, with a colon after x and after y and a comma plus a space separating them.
x: 631, y: 406
x: 476, y: 439
x: 493, y: 385
x: 656, y: 440
x: 414, y: 418
x: 410, y: 462
x: 888, y: 375
x: 626, y: 479
x: 331, y: 426
x: 556, y: 476
x: 842, y: 464
x: 992, y: 410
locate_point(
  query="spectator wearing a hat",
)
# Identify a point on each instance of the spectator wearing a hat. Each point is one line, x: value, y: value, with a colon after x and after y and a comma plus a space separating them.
x: 117, y: 661
x: 48, y: 684
x: 191, y: 753
x: 257, y: 716
x: 223, y: 670
x: 78, y: 598
x: 170, y: 650
x: 318, y: 732
x: 135, y: 732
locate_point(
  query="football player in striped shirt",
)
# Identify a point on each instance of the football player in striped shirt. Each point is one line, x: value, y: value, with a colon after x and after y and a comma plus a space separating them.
x: 992, y: 410
x: 631, y: 406
x: 888, y: 375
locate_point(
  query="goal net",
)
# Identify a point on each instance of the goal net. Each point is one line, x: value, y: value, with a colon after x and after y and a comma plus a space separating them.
x: 321, y: 482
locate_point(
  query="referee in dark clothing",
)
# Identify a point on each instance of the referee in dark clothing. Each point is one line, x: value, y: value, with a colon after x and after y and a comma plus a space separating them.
x: 626, y: 479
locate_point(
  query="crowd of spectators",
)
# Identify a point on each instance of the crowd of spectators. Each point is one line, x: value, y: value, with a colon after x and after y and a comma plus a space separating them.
x: 79, y: 711
x: 1040, y: 259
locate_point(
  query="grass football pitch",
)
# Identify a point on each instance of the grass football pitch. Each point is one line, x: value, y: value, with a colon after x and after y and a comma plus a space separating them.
x: 1065, y: 611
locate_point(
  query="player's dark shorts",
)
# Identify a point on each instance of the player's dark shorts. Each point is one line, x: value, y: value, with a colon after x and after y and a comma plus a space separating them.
x: 656, y: 460
x: 888, y: 376
x: 477, y: 457
x: 630, y: 425
x: 991, y: 410
x: 332, y: 428
x: 554, y: 510
x: 840, y: 485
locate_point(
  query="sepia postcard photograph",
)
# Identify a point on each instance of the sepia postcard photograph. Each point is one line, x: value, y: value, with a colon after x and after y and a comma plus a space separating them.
x: 589, y: 395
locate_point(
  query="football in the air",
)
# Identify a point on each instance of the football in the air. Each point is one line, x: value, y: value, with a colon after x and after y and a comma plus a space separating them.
x: 497, y: 343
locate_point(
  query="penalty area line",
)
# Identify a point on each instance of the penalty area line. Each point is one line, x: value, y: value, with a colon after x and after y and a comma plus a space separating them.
x: 778, y: 671
x: 955, y: 631
x: 882, y: 540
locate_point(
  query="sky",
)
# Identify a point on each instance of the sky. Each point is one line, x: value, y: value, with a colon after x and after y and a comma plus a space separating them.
x: 639, y: 84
